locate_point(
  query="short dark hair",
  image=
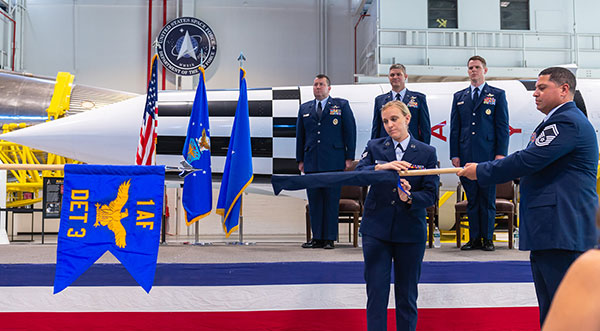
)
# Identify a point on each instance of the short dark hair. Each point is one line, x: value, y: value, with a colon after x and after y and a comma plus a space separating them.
x: 560, y: 76
x: 398, y: 66
x: 477, y: 58
x: 320, y: 76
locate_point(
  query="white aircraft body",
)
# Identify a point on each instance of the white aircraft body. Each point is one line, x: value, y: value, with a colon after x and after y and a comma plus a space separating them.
x: 109, y: 135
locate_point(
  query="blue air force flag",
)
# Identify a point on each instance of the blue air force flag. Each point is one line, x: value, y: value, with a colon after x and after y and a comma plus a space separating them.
x: 114, y: 208
x: 237, y: 174
x: 197, y: 186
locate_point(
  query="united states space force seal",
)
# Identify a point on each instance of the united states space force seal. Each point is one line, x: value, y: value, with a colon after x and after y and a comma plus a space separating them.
x: 184, y: 44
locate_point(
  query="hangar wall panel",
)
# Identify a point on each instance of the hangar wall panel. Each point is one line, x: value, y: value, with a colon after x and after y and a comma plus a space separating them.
x: 104, y: 43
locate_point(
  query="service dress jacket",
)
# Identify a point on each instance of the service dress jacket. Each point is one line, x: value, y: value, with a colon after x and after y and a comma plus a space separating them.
x: 558, y: 182
x: 479, y: 130
x: 420, y: 124
x: 325, y: 144
x: 386, y: 217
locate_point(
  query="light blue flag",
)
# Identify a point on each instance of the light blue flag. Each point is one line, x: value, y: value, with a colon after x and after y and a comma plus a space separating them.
x: 237, y: 174
x: 114, y: 208
x: 197, y: 186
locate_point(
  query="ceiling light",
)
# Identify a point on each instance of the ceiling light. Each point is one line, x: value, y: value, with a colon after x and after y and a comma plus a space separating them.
x: 87, y: 104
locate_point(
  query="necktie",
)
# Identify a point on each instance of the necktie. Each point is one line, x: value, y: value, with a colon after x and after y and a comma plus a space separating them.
x: 476, y: 94
x: 319, y: 109
x: 399, y: 152
x: 398, y: 97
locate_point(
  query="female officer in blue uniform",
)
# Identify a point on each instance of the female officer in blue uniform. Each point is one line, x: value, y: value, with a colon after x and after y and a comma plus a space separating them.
x: 393, y: 225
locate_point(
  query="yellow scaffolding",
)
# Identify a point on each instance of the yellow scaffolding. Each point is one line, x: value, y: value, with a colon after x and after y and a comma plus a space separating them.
x: 24, y: 187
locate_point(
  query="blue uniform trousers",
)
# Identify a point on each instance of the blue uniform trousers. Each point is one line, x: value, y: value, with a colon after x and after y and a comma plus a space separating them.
x: 548, y: 268
x: 481, y: 208
x: 407, y: 258
x: 324, y: 205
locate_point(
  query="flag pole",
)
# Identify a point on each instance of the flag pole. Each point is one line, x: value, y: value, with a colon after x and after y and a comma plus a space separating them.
x: 60, y: 167
x: 242, y: 219
x: 242, y: 58
x: 197, y: 241
x: 197, y: 233
x: 198, y: 136
x: 163, y: 237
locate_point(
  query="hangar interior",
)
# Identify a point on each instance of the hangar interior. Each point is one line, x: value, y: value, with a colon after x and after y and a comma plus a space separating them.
x: 67, y: 58
x: 106, y: 45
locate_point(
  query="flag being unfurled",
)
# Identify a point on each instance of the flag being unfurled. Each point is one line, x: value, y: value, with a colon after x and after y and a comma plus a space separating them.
x: 114, y: 208
x: 197, y: 186
x: 147, y: 141
x: 237, y: 174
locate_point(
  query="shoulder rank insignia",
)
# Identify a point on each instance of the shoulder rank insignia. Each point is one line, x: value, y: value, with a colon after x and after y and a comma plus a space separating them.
x: 548, y: 134
x: 335, y: 110
x: 489, y: 100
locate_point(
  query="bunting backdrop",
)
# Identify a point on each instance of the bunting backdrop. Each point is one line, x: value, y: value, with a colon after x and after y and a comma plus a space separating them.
x: 485, y: 296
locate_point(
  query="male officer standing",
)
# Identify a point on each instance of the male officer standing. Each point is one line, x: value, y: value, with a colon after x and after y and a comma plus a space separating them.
x: 558, y: 184
x: 420, y: 125
x: 479, y: 132
x: 325, y: 141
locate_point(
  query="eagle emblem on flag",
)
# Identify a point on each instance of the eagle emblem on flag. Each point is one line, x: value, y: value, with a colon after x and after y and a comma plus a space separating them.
x: 111, y: 215
x: 197, y: 146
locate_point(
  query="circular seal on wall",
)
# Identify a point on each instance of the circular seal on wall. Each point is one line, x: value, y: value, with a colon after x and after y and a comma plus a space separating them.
x: 184, y: 44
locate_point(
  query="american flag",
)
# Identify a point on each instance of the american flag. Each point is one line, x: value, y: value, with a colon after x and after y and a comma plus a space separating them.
x: 147, y: 142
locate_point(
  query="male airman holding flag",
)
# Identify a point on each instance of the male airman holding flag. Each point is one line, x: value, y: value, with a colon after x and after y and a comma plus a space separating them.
x: 558, y: 184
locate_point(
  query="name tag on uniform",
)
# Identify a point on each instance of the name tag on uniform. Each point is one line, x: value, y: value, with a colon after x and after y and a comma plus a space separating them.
x: 305, y: 115
x: 380, y: 162
x: 460, y: 103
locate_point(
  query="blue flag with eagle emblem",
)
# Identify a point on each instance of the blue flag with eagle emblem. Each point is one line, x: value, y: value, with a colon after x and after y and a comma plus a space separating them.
x: 237, y: 174
x: 197, y: 186
x: 114, y: 208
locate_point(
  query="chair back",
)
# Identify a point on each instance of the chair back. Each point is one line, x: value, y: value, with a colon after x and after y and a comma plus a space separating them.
x: 352, y: 192
x: 505, y: 191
